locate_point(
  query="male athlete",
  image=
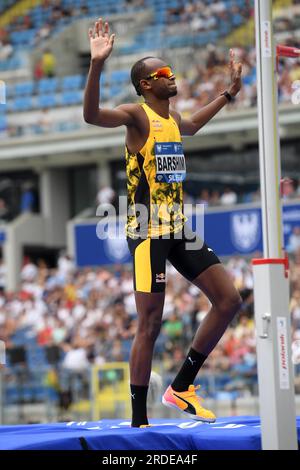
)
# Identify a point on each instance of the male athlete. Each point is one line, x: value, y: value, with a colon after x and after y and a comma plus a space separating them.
x: 156, y: 229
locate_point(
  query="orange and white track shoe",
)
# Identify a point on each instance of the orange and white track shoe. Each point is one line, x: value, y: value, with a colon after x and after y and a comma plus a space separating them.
x: 189, y: 403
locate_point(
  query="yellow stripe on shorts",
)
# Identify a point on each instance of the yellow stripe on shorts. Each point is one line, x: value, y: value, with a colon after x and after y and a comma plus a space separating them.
x: 142, y: 263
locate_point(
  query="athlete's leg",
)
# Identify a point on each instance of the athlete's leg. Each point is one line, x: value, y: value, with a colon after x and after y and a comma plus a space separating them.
x: 149, y: 309
x: 226, y: 301
x: 203, y: 268
x: 216, y: 284
x: 149, y: 258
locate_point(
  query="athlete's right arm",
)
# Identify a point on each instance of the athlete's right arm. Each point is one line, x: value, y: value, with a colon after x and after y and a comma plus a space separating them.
x: 101, y: 44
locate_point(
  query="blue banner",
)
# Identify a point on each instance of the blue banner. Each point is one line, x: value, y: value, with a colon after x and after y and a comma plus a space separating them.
x: 228, y: 232
x: 92, y: 251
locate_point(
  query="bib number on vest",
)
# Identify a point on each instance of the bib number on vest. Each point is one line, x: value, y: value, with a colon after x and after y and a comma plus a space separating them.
x: 170, y: 162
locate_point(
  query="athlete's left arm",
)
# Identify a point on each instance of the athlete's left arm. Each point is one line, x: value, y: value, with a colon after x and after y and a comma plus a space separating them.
x: 200, y: 118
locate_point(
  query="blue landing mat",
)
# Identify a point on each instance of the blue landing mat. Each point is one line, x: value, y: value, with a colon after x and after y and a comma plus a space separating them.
x: 233, y: 433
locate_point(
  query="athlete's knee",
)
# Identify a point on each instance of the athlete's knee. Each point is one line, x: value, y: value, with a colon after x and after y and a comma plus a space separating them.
x: 148, y: 330
x: 230, y: 304
x: 154, y: 329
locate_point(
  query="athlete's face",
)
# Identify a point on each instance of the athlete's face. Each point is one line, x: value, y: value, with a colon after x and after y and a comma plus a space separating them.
x: 159, y: 79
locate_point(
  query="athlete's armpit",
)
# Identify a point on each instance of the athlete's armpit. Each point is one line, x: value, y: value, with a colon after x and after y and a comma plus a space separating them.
x: 186, y: 126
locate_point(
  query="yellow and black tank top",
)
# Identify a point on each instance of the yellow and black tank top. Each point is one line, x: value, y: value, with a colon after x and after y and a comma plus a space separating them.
x: 154, y: 181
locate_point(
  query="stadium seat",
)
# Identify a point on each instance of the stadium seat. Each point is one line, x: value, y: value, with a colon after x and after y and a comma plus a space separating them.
x: 12, y: 63
x: 47, y: 85
x: 126, y: 348
x: 120, y: 76
x: 237, y: 20
x: 12, y: 395
x: 24, y: 337
x: 66, y: 126
x: 19, y: 38
x: 36, y: 357
x: 23, y: 103
x: 114, y: 91
x: 72, y: 82
x: 27, y: 392
x: 3, y: 123
x: 25, y: 88
x: 46, y: 101
x: 10, y: 91
x: 103, y: 79
x: 71, y: 97
x: 160, y: 343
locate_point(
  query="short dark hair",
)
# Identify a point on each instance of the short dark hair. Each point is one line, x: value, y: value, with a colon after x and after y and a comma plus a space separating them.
x: 138, y: 73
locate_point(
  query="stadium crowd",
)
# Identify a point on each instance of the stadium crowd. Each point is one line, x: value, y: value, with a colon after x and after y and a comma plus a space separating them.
x: 90, y: 314
x: 209, y: 196
x: 203, y: 15
x: 197, y: 85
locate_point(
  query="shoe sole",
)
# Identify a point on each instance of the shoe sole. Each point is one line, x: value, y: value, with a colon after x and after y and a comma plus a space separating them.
x: 194, y: 417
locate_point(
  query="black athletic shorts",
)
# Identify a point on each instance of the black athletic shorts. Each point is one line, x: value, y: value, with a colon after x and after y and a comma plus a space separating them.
x: 150, y: 256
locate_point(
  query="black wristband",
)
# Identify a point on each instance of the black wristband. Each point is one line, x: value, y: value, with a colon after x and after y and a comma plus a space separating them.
x: 227, y: 95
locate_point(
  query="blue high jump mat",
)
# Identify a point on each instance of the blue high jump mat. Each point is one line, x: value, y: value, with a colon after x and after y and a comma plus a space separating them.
x: 230, y: 433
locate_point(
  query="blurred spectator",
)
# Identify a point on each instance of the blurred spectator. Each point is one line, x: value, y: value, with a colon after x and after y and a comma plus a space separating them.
x: 186, y: 103
x: 4, y: 212
x: 173, y: 327
x: 135, y: 3
x: 48, y: 63
x: 44, y: 122
x: 203, y: 197
x: 44, y: 336
x: 245, y: 326
x: 202, y: 307
x: 29, y: 271
x: 2, y: 276
x: 214, y: 198
x: 75, y: 359
x: 298, y: 189
x: 43, y: 32
x: 294, y: 241
x: 187, y: 198
x: 295, y: 270
x: 28, y: 198
x: 295, y: 309
x: 116, y: 352
x: 38, y: 71
x: 171, y: 361
x: 106, y: 195
x: 288, y: 188
x: 235, y: 266
x: 6, y: 49
x: 228, y: 198
x: 66, y: 267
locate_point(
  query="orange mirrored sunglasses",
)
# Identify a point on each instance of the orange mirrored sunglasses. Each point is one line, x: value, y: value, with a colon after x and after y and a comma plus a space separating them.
x: 162, y: 72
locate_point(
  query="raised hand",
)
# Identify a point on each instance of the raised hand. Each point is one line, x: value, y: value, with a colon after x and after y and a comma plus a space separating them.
x: 101, y: 43
x: 235, y: 75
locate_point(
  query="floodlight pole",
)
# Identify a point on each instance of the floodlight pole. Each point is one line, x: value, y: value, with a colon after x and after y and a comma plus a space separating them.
x: 271, y: 284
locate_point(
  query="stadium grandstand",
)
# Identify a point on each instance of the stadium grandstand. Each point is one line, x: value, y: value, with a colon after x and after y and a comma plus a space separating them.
x: 67, y: 310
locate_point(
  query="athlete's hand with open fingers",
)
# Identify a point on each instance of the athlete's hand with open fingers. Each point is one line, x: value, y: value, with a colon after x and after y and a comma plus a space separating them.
x: 101, y: 42
x: 235, y: 75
